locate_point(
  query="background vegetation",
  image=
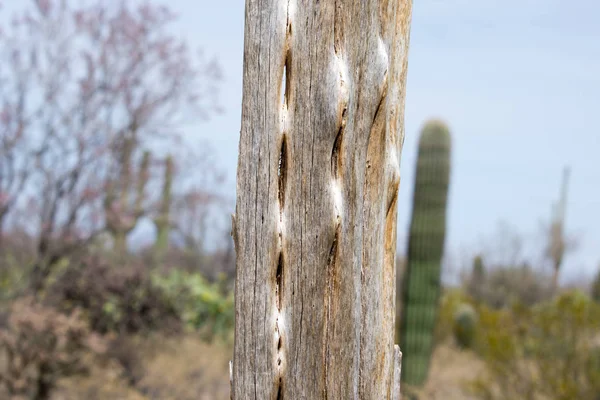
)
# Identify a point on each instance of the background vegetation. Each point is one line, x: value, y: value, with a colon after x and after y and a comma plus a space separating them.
x: 93, y: 98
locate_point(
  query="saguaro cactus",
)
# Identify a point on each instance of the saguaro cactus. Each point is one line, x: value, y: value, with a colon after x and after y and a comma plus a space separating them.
x: 162, y: 220
x: 557, y: 241
x: 476, y: 283
x: 425, y: 250
x: 122, y: 213
x: 315, y: 222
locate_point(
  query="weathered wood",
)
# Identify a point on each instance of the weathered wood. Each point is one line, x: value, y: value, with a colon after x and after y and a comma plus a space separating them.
x: 397, y: 395
x: 318, y: 176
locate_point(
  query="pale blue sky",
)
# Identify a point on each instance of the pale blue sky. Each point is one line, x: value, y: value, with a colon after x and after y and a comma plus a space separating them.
x: 517, y: 81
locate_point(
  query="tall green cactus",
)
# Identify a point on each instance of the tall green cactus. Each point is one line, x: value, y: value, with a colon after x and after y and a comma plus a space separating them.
x: 425, y: 249
x: 162, y: 220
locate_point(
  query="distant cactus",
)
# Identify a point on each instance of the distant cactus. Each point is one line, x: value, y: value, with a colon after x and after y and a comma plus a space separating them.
x: 123, y: 213
x: 465, y: 324
x: 425, y: 249
x: 558, y: 245
x: 476, y: 282
x: 596, y: 288
x: 478, y: 268
x: 162, y: 220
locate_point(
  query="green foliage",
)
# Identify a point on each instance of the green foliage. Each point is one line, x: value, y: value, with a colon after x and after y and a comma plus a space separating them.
x: 132, y: 299
x: 465, y: 326
x: 39, y: 346
x: 425, y: 250
x: 450, y: 300
x: 546, y: 352
x: 203, y: 306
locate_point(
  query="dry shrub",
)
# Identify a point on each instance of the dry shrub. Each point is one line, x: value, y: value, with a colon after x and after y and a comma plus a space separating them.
x: 16, y: 252
x: 39, y: 346
x: 118, y: 299
x: 545, y: 352
x: 503, y: 285
x: 124, y: 350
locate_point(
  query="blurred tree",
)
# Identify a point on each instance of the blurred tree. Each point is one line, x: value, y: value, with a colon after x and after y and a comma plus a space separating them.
x: 86, y: 89
x: 193, y: 212
x: 121, y: 212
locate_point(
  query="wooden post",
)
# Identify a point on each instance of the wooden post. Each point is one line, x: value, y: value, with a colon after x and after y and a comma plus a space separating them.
x: 317, y: 185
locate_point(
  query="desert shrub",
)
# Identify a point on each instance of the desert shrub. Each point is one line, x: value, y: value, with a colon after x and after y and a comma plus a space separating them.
x: 15, y: 256
x: 39, y: 346
x: 545, y: 352
x: 203, y: 306
x: 126, y: 353
x: 464, y: 329
x: 212, y: 265
x: 502, y: 285
x: 450, y: 301
x: 119, y: 299
x: 12, y: 278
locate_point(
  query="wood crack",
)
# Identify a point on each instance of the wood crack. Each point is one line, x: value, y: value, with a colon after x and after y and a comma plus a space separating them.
x: 336, y: 159
x: 282, y: 173
x: 338, y: 27
x: 382, y: 97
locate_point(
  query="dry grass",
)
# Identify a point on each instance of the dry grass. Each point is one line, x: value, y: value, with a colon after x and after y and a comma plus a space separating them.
x: 184, y: 368
x: 451, y: 368
x: 187, y: 368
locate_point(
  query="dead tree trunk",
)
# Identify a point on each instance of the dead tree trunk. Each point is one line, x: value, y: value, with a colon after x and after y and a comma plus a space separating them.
x: 317, y: 184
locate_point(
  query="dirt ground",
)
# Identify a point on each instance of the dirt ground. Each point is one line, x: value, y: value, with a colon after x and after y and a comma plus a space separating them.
x: 184, y: 368
x: 188, y: 368
x: 450, y: 370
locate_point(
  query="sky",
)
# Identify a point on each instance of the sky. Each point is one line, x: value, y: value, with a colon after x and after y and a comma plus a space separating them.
x: 517, y: 82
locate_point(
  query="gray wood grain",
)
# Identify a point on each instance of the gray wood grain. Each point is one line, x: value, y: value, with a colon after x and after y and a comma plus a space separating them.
x: 317, y: 184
